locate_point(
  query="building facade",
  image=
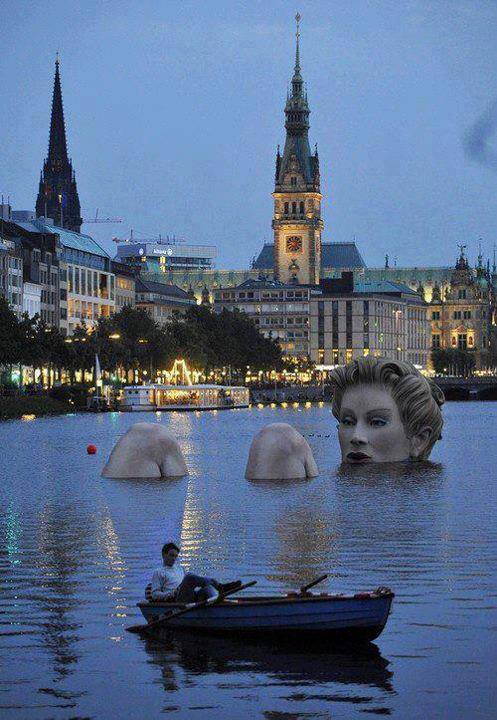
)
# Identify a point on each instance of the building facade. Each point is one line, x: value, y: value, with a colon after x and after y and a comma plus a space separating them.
x: 348, y: 321
x: 89, y: 291
x: 334, y: 322
x: 166, y: 255
x: 31, y: 299
x: 11, y: 270
x: 162, y: 301
x: 279, y: 311
x: 125, y: 282
x: 461, y: 316
x: 41, y: 252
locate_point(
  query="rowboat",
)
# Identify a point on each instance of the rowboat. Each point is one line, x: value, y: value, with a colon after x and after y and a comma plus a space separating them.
x: 359, y: 617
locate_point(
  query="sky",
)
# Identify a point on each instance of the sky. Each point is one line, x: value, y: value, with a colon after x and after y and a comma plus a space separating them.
x: 174, y: 110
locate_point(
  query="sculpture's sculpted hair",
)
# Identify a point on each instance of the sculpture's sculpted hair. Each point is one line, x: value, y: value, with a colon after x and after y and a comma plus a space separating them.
x: 417, y: 397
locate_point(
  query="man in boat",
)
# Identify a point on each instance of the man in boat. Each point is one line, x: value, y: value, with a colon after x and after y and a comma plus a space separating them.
x: 170, y: 583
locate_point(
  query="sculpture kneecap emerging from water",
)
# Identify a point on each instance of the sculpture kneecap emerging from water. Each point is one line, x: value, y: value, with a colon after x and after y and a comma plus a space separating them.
x: 279, y: 452
x: 146, y: 450
x: 386, y: 411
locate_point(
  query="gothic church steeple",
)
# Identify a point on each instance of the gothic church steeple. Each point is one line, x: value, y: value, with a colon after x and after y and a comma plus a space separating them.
x: 58, y: 192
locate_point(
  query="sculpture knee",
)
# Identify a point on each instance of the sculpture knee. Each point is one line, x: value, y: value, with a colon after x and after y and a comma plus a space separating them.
x: 279, y: 452
x: 146, y: 450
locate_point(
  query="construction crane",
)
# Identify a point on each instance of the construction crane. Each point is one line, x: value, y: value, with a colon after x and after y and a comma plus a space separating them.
x: 160, y: 240
x: 96, y: 219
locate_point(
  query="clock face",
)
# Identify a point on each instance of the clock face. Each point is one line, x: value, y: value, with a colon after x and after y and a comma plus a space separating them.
x: 294, y: 244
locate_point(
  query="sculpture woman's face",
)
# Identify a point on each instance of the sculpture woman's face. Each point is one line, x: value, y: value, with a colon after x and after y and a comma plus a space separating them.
x: 370, y: 427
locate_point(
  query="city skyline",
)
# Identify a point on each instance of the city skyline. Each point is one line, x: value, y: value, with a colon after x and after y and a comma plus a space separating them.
x: 221, y: 166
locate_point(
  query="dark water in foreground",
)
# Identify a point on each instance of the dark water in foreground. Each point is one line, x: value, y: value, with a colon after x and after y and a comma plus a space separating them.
x: 75, y: 551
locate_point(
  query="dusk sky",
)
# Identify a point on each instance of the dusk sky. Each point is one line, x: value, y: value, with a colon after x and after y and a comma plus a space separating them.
x: 174, y: 110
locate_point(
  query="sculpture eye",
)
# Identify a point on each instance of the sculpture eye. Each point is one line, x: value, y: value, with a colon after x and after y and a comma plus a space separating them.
x: 378, y: 421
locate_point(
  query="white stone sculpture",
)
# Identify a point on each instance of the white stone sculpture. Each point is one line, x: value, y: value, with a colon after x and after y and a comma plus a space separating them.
x: 279, y: 452
x: 146, y: 450
x: 387, y: 411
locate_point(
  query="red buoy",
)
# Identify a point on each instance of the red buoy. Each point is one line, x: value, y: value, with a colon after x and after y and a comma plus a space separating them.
x: 91, y: 449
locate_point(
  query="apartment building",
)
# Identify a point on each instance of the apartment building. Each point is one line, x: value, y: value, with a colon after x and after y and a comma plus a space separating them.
x: 379, y: 318
x: 279, y: 311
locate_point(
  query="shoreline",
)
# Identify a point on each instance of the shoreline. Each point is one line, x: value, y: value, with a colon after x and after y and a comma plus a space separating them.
x: 15, y: 407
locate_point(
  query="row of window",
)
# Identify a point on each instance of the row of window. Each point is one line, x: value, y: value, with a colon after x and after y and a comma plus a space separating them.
x: 87, y: 310
x: 456, y: 315
x: 294, y: 206
x: 48, y: 297
x: 462, y: 341
x: 266, y: 295
x: 80, y: 257
x: 90, y: 282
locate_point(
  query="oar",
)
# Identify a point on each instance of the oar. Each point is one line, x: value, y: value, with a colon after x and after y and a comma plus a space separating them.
x: 318, y: 580
x: 164, y: 619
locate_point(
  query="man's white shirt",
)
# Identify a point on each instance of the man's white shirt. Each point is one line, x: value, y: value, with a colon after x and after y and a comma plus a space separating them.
x: 165, y: 580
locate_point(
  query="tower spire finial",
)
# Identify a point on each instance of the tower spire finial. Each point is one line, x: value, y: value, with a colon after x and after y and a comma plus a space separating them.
x: 298, y: 18
x: 57, y: 148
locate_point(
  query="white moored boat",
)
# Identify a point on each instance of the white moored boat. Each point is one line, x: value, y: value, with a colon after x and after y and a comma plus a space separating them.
x: 184, y: 397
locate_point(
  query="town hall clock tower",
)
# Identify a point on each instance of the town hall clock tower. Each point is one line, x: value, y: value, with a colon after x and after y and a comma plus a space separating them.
x: 297, y: 223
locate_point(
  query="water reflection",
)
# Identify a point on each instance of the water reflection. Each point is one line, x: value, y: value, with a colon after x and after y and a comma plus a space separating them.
x: 55, y: 587
x: 412, y: 473
x: 299, y: 671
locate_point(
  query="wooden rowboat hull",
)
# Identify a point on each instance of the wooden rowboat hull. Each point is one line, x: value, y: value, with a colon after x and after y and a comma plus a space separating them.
x: 349, y: 618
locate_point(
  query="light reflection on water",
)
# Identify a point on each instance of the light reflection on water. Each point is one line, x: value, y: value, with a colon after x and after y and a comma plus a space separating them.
x: 76, y: 551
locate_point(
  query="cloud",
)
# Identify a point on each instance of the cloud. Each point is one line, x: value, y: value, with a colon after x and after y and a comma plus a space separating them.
x: 477, y: 141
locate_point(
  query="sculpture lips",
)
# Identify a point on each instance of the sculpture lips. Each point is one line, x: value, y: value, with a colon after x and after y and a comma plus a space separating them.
x: 357, y: 457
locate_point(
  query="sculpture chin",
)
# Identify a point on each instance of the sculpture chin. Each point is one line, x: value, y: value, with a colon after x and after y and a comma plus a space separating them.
x: 279, y: 452
x: 146, y: 450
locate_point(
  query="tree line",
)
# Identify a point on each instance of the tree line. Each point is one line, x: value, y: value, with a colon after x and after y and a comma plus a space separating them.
x: 131, y: 344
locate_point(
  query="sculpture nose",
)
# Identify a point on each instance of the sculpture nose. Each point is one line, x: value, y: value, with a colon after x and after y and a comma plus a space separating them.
x: 358, y: 438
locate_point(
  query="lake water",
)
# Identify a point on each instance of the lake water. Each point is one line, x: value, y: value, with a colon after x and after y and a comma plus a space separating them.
x: 76, y: 550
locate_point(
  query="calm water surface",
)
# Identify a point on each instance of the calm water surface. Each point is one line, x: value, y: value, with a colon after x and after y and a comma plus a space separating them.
x: 76, y: 550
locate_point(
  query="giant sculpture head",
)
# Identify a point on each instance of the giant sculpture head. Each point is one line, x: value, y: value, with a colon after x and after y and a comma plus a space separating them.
x: 386, y: 411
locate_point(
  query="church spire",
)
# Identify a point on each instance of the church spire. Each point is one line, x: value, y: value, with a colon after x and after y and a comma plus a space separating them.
x: 57, y: 193
x: 57, y: 147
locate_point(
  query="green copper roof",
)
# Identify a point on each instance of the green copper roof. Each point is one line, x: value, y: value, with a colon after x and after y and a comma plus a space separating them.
x: 77, y: 241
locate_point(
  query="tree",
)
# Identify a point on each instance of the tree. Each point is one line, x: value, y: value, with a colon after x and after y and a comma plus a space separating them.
x: 453, y: 361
